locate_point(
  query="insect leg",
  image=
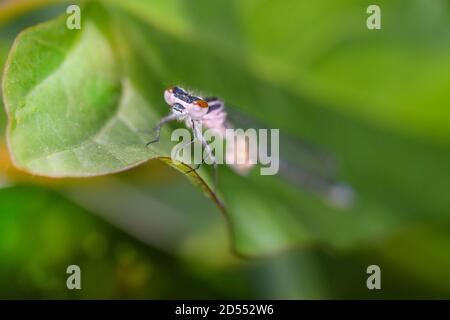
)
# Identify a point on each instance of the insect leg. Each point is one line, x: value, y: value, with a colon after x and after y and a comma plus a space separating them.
x: 208, y: 149
x: 213, y: 159
x: 197, y: 134
x: 185, y: 145
x: 162, y: 122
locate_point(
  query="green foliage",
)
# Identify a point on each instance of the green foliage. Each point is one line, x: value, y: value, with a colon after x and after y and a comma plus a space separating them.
x: 43, y: 235
x: 78, y: 100
x: 72, y: 112
x: 3, y: 52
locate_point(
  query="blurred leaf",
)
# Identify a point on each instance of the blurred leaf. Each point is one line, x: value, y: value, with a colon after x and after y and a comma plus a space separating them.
x: 42, y: 236
x: 387, y: 170
x: 324, y: 52
x: 408, y: 251
x: 14, y: 8
x: 151, y: 214
x: 3, y: 53
x: 271, y: 59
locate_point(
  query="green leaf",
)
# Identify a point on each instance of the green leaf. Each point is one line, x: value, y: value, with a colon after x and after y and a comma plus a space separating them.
x: 305, y: 79
x: 3, y: 54
x: 387, y: 170
x: 72, y: 112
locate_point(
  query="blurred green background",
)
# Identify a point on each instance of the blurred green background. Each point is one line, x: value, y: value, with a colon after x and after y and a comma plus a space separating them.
x: 378, y: 100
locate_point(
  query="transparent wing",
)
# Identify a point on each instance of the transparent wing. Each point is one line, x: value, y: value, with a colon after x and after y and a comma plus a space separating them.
x: 303, y: 164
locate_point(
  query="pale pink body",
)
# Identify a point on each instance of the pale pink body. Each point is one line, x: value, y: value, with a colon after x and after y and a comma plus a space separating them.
x: 213, y: 117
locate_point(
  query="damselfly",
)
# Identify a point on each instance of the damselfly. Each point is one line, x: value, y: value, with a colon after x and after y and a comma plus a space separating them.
x: 198, y: 113
x: 306, y: 166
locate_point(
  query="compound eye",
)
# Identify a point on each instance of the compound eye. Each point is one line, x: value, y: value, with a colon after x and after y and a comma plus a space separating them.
x: 170, y: 89
x: 201, y: 103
